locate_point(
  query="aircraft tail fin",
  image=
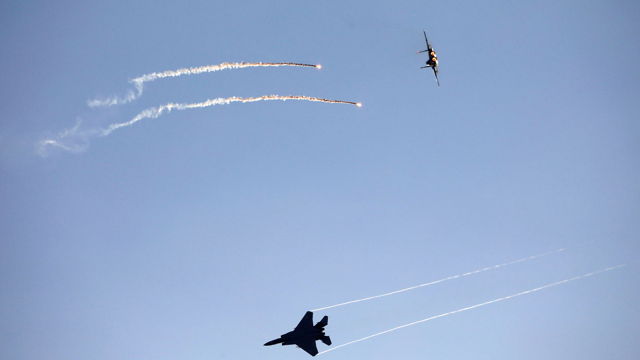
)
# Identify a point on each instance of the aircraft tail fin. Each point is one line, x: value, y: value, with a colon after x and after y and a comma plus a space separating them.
x: 322, y: 323
x: 326, y: 340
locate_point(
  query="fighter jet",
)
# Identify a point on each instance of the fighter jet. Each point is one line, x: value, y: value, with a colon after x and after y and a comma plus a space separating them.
x: 305, y: 334
x: 432, y: 62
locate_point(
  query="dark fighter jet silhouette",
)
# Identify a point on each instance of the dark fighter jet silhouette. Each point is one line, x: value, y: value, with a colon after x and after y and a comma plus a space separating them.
x: 432, y: 61
x: 305, y: 334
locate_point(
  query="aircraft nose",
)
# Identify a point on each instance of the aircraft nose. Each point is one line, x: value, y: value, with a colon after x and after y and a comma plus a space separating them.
x: 273, y: 342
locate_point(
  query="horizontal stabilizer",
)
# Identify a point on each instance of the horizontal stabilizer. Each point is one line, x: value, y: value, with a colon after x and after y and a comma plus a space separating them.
x: 322, y: 323
x: 326, y: 340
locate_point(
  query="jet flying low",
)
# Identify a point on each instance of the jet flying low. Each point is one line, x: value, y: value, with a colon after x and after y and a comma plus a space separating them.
x: 432, y: 61
x: 305, y: 335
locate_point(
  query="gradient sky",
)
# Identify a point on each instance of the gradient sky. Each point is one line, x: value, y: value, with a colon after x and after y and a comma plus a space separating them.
x: 205, y: 233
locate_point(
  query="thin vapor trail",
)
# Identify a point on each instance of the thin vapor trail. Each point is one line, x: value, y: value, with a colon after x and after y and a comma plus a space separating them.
x: 441, y: 280
x: 475, y: 306
x: 155, y: 112
x: 138, y: 82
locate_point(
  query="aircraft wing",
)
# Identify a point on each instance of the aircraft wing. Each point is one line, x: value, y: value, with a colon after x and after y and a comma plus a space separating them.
x: 306, y: 322
x: 426, y: 40
x: 308, y: 345
x: 435, y: 72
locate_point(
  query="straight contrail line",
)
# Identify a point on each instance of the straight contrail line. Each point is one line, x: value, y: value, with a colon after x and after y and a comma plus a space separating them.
x: 155, y: 112
x: 138, y: 82
x: 441, y: 280
x: 475, y: 306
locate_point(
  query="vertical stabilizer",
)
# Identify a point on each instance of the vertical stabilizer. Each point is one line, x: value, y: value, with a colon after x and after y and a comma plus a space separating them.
x: 322, y: 323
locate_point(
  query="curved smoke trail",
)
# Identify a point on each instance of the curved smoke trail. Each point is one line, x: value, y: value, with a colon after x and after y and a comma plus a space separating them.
x: 138, y: 82
x: 441, y: 280
x: 76, y: 140
x: 475, y: 306
x: 155, y: 112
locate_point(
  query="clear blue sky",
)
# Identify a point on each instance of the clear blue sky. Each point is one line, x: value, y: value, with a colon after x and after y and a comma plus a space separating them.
x: 204, y: 233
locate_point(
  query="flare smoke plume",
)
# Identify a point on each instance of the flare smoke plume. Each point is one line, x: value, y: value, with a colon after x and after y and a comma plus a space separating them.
x: 138, y: 83
x: 82, y: 136
x: 475, y: 306
x: 155, y: 112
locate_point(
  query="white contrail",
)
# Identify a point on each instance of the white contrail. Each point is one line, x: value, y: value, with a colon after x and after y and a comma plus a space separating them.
x: 475, y: 306
x: 155, y: 112
x: 138, y: 82
x: 441, y: 280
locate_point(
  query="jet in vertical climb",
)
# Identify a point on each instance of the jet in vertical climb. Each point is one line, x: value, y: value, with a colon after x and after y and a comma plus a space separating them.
x: 432, y: 61
x: 305, y: 335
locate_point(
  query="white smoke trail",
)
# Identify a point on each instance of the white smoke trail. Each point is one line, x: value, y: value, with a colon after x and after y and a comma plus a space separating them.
x: 77, y: 146
x: 441, y: 280
x: 138, y: 82
x: 155, y: 112
x: 474, y: 306
x: 76, y: 140
x: 44, y: 144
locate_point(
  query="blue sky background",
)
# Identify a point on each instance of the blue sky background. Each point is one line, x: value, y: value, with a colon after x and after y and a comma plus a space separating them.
x: 204, y: 233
